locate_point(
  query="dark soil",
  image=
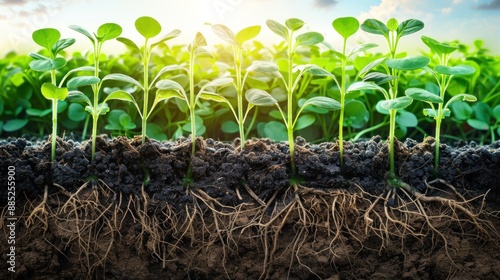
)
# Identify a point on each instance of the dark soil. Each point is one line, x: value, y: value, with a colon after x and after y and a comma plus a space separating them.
x: 129, y: 215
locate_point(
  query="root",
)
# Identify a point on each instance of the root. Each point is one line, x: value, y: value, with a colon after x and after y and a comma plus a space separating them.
x: 40, y: 212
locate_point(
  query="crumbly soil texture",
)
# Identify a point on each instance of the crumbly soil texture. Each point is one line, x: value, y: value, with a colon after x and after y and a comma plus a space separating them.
x: 131, y: 214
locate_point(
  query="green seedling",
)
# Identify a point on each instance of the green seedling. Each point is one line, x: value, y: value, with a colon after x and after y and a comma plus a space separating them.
x: 485, y: 118
x: 105, y: 32
x: 346, y: 27
x: 236, y: 41
x: 294, y: 75
x: 149, y: 28
x: 168, y: 88
x: 120, y: 121
x: 49, y: 39
x: 443, y: 75
x: 393, y: 68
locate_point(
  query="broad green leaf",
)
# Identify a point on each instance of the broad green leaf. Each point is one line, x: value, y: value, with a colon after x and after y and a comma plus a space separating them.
x: 372, y: 65
x: 397, y: 103
x: 219, y: 82
x: 148, y: 27
x: 408, y: 63
x: 214, y: 97
x: 62, y: 44
x: 461, y: 110
x: 483, y: 112
x: 37, y: 112
x: 375, y: 26
x: 463, y: 97
x: 78, y: 96
x: 260, y: 97
x: 409, y: 26
x: 129, y: 43
x: 361, y: 48
x: 169, y: 85
x: 278, y: 28
x: 76, y: 112
x: 122, y: 78
x: 83, y: 31
x: 294, y: 23
x: 364, y: 86
x: 478, y: 124
x: 276, y: 131
x: 496, y: 113
x: 438, y: 47
x: 199, y: 41
x: 313, y: 69
x: 346, y: 26
x: 433, y: 113
x: 126, y: 122
x: 120, y: 95
x: 155, y: 131
x: 309, y: 39
x: 165, y: 94
x: 46, y: 37
x: 322, y: 102
x: 423, y: 95
x: 247, y: 33
x: 406, y: 119
x: 455, y: 70
x: 50, y: 91
x: 432, y: 87
x: 304, y: 121
x: 378, y: 78
x: 108, y: 31
x: 14, y: 125
x: 392, y: 24
x: 172, y: 34
x: 263, y: 67
x: 48, y: 64
x: 225, y: 34
x: 81, y: 81
x: 230, y: 127
x: 356, y: 114
x: 38, y: 56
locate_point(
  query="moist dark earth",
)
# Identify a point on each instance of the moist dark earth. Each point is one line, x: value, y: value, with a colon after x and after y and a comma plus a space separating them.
x: 130, y: 215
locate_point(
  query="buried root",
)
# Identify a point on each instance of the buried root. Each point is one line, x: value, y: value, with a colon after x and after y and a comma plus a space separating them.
x: 92, y: 221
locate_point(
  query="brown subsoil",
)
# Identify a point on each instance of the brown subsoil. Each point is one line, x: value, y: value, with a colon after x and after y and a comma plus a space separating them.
x: 129, y: 215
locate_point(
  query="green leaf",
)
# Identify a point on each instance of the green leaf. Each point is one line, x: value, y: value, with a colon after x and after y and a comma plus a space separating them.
x: 396, y: 103
x: 120, y: 95
x: 463, y: 97
x: 81, y: 81
x: 155, y: 131
x: 278, y: 28
x: 214, y: 97
x: 462, y: 110
x: 37, y: 112
x: 362, y: 48
x: 378, y: 78
x: 294, y: 23
x: 172, y: 34
x: 219, y: 82
x: 496, y: 113
x: 423, y: 95
x: 148, y: 27
x: 406, y: 119
x: 455, y: 70
x: 260, y: 97
x: 83, y: 31
x: 165, y: 94
x: 408, y: 63
x: 230, y: 127
x: 392, y: 24
x: 129, y: 43
x: 313, y: 69
x: 264, y: 67
x: 309, y: 39
x: 372, y: 65
x: 76, y: 112
x: 48, y: 64
x: 323, y: 102
x: 122, y: 78
x: 225, y: 34
x: 478, y: 124
x: 108, y: 31
x: 364, y: 86
x: 126, y: 121
x: 355, y: 113
x: 50, y: 91
x: 169, y: 85
x: 276, y: 131
x: 46, y: 37
x: 483, y: 112
x: 78, y: 96
x: 375, y: 26
x: 304, y: 121
x: 409, y: 26
x: 62, y: 44
x: 247, y: 33
x: 199, y: 41
x: 346, y: 26
x: 437, y: 47
x: 14, y: 125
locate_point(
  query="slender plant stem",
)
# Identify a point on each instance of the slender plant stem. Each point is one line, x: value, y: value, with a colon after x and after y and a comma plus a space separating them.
x: 342, y: 102
x: 54, y: 119
x: 192, y: 104
x: 289, y: 126
x: 95, y: 89
x: 437, y: 141
x: 146, y: 90
x: 392, y: 129
x: 238, y: 57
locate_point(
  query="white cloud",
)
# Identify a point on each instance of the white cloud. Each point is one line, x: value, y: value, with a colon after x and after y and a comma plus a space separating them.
x: 455, y: 2
x: 399, y: 9
x: 446, y: 10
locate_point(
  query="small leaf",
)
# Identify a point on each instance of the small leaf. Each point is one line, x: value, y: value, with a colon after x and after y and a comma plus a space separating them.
x: 372, y: 65
x: 278, y: 28
x: 81, y: 81
x: 423, y: 95
x: 397, y: 103
x: 375, y: 26
x: 323, y: 102
x: 309, y: 39
x: 264, y: 67
x: 406, y: 119
x: 455, y: 70
x: 83, y: 31
x: 225, y: 34
x: 463, y: 97
x: 478, y: 124
x: 364, y: 86
x: 48, y: 64
x: 437, y: 47
x: 108, y: 31
x: 148, y: 27
x: 172, y: 34
x: 214, y: 97
x: 165, y: 94
x: 346, y: 26
x: 76, y: 112
x: 219, y: 82
x: 120, y: 95
x: 129, y: 43
x: 409, y: 26
x: 247, y: 33
x: 356, y: 114
x: 483, y: 112
x: 294, y: 23
x: 408, y: 63
x: 496, y: 113
x: 461, y: 110
x: 46, y: 37
x: 78, y: 96
x: 313, y: 69
x: 276, y: 131
x: 50, y: 91
x: 362, y: 48
x: 392, y: 24
x: 199, y: 41
x: 304, y: 121
x: 378, y: 78
x: 169, y: 85
x: 14, y: 125
x: 62, y: 44
x: 230, y: 127
x: 122, y: 78
x: 259, y: 97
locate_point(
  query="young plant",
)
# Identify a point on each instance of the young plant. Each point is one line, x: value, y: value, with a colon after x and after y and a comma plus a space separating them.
x: 393, y: 67
x: 443, y: 75
x: 148, y: 27
x: 49, y: 39
x: 294, y: 75
x: 105, y: 32
x: 237, y: 41
x: 346, y: 27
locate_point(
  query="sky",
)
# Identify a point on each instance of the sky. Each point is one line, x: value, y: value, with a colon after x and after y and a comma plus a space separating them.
x: 445, y: 20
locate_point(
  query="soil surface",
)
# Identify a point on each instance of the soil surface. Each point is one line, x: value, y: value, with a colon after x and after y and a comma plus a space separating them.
x: 130, y: 215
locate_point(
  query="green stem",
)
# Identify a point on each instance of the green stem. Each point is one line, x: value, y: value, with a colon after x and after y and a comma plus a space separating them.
x: 95, y: 89
x: 146, y: 90
x: 437, y: 142
x: 342, y: 102
x: 392, y: 137
x: 238, y: 56
x: 54, y: 129
x: 289, y: 126
x: 192, y: 104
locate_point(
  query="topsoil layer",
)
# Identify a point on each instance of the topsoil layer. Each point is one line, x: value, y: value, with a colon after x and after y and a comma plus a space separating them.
x: 240, y: 219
